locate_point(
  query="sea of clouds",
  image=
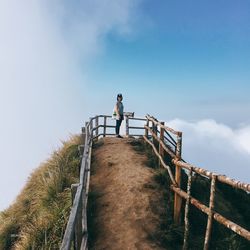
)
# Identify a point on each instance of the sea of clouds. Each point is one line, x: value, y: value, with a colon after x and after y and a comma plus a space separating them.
x: 216, y: 146
x: 212, y: 145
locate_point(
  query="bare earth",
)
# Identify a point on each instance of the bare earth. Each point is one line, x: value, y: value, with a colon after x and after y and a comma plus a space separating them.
x: 124, y: 219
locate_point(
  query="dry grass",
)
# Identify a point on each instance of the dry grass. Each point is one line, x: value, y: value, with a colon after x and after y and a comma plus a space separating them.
x: 39, y: 214
x: 230, y: 202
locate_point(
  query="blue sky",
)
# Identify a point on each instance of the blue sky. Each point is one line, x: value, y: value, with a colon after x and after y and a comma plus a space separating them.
x: 185, y: 62
x: 196, y: 51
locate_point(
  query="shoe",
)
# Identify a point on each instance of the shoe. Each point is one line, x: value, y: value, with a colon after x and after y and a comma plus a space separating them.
x: 118, y: 136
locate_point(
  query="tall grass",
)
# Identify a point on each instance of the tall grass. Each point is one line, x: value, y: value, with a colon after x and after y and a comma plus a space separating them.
x: 38, y: 217
x: 229, y: 202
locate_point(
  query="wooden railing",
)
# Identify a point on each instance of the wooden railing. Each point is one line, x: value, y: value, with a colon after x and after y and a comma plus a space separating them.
x: 76, y: 233
x: 163, y: 140
x: 163, y: 136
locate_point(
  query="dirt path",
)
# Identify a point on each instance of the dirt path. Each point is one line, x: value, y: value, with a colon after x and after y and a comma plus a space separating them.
x: 124, y: 218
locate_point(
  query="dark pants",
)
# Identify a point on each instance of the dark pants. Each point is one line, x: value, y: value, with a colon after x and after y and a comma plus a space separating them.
x: 118, y: 125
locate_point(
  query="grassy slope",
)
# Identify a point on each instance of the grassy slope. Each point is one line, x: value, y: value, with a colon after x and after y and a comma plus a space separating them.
x: 231, y: 203
x: 40, y: 212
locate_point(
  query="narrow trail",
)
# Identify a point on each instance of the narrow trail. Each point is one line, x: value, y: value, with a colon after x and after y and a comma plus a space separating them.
x: 124, y: 219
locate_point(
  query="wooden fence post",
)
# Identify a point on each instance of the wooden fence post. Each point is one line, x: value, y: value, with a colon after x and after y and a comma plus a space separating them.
x: 91, y: 127
x: 96, y: 126
x: 78, y: 224
x: 86, y: 131
x: 210, y: 215
x: 177, y: 198
x: 161, y: 150
x: 154, y: 130
x: 127, y: 125
x: 186, y: 218
x: 83, y: 134
x: 81, y: 151
x: 104, y: 126
x: 146, y: 130
x: 81, y: 147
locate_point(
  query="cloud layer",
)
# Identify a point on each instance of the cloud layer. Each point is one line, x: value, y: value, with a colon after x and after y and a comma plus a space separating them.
x: 216, y: 146
x: 44, y: 48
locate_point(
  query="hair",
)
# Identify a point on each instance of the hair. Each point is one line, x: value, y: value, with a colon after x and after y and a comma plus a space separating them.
x: 119, y: 95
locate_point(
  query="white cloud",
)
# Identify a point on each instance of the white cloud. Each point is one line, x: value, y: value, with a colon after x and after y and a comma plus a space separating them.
x: 216, y: 146
x: 243, y: 138
x: 44, y: 47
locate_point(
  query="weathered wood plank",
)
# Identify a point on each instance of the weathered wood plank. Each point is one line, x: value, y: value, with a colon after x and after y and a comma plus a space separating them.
x: 104, y: 126
x: 161, y: 159
x: 210, y: 214
x: 162, y: 143
x: 161, y: 149
x: 163, y: 126
x: 221, y: 178
x: 177, y: 198
x: 186, y: 217
x: 69, y: 232
x: 221, y: 219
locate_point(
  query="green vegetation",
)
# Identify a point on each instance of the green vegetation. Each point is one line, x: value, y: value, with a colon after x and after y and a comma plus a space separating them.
x: 141, y: 147
x: 38, y: 217
x: 229, y: 202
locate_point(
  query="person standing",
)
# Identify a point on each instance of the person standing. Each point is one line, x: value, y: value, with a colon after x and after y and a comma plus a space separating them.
x: 119, y: 115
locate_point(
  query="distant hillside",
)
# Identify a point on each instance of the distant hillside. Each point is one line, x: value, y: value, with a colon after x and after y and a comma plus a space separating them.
x: 38, y: 216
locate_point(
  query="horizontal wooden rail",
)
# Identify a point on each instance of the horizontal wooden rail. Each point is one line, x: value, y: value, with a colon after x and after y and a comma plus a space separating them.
x: 222, y: 220
x: 221, y: 178
x: 162, y: 161
x: 102, y: 126
x: 152, y: 119
x: 171, y: 153
x: 173, y: 144
x: 137, y: 119
x: 135, y: 127
x: 171, y: 138
x: 153, y: 132
x: 68, y: 235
